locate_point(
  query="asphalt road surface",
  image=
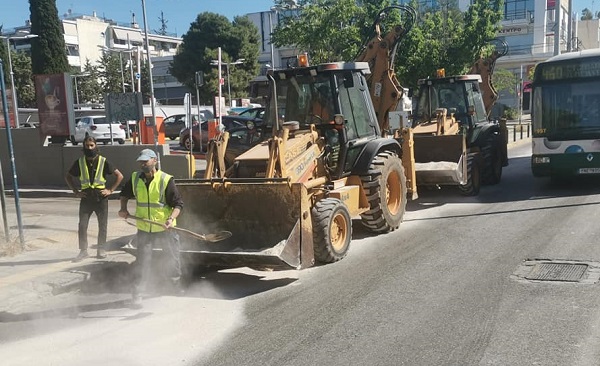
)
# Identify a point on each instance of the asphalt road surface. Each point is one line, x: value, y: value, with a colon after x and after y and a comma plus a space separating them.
x: 448, y: 288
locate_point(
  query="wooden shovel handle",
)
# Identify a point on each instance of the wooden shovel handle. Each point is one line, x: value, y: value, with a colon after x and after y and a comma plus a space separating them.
x: 209, y: 237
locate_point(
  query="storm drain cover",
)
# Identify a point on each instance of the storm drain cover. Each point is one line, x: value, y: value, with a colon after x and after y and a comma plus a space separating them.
x: 542, y: 270
x: 557, y: 272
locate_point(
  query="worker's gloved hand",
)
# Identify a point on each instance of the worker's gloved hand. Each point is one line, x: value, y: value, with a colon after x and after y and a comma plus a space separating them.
x: 169, y: 222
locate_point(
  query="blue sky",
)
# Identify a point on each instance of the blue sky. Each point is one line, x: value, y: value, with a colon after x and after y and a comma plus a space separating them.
x: 179, y: 13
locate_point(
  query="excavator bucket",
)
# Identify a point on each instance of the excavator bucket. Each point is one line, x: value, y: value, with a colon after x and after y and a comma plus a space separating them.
x: 440, y: 160
x: 269, y: 220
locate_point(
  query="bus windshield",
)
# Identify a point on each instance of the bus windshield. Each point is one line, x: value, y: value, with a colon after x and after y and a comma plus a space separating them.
x: 567, y: 111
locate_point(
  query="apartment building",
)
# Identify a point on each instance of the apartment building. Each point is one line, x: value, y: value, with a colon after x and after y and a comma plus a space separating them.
x: 87, y: 37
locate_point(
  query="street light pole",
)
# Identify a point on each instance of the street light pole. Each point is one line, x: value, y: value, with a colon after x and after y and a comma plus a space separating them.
x: 228, y: 85
x: 76, y: 91
x: 151, y: 82
x: 228, y: 65
x: 122, y: 73
x: 12, y: 157
x: 271, y: 41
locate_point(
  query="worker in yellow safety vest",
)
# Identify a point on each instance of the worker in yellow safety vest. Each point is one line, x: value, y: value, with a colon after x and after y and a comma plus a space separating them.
x: 158, y: 201
x: 92, y: 170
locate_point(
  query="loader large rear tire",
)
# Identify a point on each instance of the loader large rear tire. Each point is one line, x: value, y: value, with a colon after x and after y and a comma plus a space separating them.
x: 386, y: 191
x: 332, y: 230
x: 492, y: 163
x: 473, y: 185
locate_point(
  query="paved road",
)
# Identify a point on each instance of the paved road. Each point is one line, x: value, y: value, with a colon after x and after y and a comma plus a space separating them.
x: 447, y: 288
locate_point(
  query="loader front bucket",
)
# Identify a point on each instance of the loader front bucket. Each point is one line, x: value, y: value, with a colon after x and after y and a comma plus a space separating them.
x: 269, y: 220
x: 440, y: 160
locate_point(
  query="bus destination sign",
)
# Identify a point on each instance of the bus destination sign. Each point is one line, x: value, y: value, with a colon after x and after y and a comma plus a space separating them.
x: 570, y: 70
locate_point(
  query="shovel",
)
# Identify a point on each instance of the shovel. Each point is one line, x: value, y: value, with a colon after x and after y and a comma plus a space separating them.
x: 221, y: 235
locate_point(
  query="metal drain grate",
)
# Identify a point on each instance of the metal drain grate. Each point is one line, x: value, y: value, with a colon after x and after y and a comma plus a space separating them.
x: 567, y: 272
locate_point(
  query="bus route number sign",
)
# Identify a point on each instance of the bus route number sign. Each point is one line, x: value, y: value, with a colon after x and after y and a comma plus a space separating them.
x: 570, y: 70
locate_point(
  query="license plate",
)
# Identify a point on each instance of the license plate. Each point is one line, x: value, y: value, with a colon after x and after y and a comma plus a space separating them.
x: 588, y: 171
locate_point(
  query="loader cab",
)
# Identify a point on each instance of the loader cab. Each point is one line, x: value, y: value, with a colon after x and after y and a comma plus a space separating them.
x: 459, y: 95
x: 316, y: 96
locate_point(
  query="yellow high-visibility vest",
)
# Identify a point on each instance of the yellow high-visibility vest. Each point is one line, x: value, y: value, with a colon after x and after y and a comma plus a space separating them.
x: 99, y: 181
x: 150, y: 201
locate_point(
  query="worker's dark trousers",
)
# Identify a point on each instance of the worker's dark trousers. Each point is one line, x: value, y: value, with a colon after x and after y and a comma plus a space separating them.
x: 86, y: 208
x: 168, y: 263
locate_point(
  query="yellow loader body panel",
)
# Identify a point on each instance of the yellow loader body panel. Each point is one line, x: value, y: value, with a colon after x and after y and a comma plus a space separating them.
x: 270, y: 222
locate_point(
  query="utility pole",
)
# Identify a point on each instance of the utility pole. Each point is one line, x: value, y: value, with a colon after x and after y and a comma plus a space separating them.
x: 151, y: 83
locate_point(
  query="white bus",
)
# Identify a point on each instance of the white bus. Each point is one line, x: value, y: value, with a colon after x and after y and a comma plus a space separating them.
x: 566, y: 115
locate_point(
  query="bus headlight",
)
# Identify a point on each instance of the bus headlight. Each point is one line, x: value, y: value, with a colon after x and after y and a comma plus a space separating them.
x: 541, y: 159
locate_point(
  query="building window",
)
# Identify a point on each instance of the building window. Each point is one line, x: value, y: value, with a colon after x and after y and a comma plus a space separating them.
x: 517, y: 9
x: 72, y: 50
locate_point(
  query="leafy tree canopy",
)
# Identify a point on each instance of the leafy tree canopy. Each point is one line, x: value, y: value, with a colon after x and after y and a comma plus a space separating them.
x: 238, y: 40
x: 335, y: 30
x: 23, y: 76
x: 88, y: 85
x: 586, y: 14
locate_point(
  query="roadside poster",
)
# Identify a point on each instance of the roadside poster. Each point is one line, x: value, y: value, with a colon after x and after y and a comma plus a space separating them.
x: 220, y: 107
x: 54, y: 97
x: 11, y: 114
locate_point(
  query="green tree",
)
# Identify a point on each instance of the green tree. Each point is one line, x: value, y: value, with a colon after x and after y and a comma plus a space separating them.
x: 48, y: 50
x: 109, y: 69
x: 23, y: 76
x: 331, y: 30
x: 145, y: 81
x: 586, y: 14
x: 238, y: 40
x: 88, y: 86
x: 505, y: 80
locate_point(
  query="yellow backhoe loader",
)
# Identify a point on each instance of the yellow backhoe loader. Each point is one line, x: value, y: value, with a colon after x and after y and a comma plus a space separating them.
x: 289, y: 201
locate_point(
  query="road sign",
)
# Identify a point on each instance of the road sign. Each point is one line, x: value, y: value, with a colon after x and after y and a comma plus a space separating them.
x: 199, y: 79
x: 222, y: 81
x: 137, y: 75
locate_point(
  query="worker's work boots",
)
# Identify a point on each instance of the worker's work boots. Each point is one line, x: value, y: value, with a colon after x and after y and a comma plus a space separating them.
x: 83, y: 254
x: 101, y: 254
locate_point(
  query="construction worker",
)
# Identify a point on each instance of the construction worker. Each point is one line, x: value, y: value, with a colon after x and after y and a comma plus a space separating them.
x: 92, y: 170
x: 159, y: 201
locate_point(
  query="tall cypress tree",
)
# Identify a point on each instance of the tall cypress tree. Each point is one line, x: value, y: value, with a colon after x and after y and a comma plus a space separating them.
x: 48, y: 50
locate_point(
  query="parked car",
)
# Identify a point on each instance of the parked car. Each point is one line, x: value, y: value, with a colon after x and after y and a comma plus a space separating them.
x: 229, y: 122
x: 241, y: 139
x: 99, y: 128
x: 253, y: 112
x: 175, y: 123
x: 235, y: 111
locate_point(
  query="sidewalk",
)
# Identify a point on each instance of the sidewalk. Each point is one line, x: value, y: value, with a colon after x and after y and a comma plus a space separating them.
x: 44, y: 268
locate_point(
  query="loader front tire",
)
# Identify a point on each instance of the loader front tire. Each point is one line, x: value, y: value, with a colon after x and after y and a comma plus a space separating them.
x: 385, y: 189
x: 332, y: 230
